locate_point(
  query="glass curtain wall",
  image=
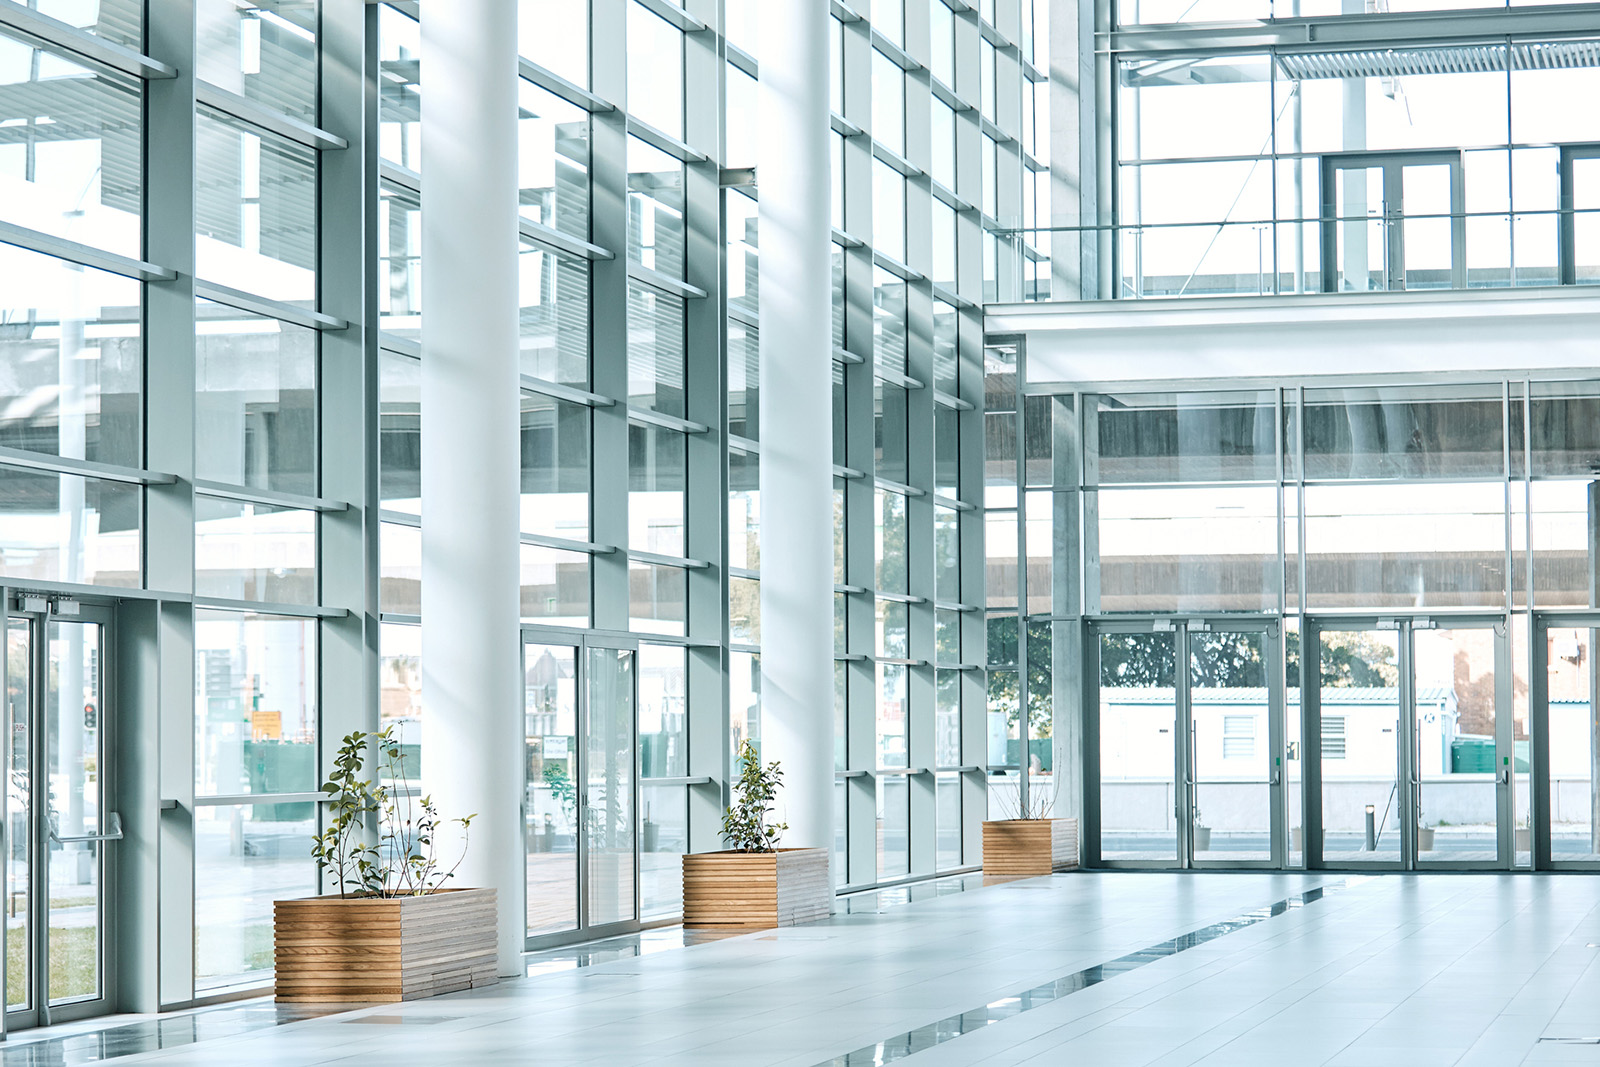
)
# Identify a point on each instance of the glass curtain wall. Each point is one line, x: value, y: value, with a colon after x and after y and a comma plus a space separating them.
x: 1379, y: 501
x: 909, y: 276
x: 186, y: 354
x: 163, y: 312
x: 1445, y: 153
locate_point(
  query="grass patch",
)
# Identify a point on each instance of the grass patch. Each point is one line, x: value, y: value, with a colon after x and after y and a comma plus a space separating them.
x: 72, y: 963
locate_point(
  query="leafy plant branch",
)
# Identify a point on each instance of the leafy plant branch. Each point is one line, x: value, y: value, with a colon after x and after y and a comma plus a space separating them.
x: 405, y: 862
x: 744, y: 825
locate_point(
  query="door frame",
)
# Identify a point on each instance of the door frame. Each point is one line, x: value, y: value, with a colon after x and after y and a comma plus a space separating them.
x: 1567, y: 239
x: 38, y: 617
x: 1405, y: 626
x: 581, y: 643
x: 1393, y: 164
x: 1184, y: 777
x: 1539, y: 801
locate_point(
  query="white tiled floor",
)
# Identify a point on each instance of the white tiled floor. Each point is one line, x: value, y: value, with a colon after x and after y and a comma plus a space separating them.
x: 1394, y: 969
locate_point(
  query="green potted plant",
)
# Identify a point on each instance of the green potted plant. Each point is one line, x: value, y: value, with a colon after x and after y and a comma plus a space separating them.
x: 394, y: 931
x: 753, y: 883
x: 1028, y: 841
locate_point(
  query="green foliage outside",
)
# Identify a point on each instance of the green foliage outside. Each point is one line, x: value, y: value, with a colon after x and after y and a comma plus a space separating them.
x: 1233, y: 661
x: 72, y: 963
x: 1003, y: 682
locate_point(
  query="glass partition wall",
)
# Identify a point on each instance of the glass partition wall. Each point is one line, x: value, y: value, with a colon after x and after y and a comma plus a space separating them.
x: 1342, y: 627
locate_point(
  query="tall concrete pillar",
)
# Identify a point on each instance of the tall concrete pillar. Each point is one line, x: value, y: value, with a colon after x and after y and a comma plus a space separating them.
x: 471, y: 685
x: 796, y: 414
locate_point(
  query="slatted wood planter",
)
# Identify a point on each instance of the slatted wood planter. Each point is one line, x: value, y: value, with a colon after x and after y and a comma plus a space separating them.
x: 756, y: 890
x: 363, y: 949
x: 1023, y: 847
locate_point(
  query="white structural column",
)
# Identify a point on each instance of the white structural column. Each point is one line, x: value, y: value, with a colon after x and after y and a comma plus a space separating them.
x: 471, y: 684
x: 796, y: 415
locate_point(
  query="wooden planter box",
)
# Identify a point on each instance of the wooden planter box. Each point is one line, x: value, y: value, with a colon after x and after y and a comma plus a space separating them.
x: 1021, y: 847
x: 358, y: 949
x: 756, y: 890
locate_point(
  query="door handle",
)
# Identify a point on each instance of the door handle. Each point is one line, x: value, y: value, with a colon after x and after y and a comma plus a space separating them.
x: 113, y: 832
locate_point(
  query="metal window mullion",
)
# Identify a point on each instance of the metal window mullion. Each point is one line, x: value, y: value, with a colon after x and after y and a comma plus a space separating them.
x: 86, y: 255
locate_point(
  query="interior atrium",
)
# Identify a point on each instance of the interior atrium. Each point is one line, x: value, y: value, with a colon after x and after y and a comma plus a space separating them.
x: 1173, y: 421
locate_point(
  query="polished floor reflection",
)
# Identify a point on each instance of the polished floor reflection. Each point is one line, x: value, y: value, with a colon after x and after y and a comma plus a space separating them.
x: 1112, y: 968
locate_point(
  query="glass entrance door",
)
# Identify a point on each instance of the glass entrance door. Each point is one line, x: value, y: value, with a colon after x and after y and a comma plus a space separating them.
x: 1411, y: 744
x: 60, y: 832
x: 1190, y: 744
x: 581, y: 758
x: 1393, y: 221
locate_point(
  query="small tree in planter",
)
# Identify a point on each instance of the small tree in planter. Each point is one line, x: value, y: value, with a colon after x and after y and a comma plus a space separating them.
x: 1027, y: 841
x: 394, y: 932
x: 754, y: 883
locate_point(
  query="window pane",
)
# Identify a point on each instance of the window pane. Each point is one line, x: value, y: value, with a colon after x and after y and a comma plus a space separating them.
x: 255, y: 211
x: 744, y: 699
x: 891, y: 542
x: 949, y: 818
x: 34, y: 508
x: 947, y: 554
x: 892, y: 726
x: 656, y: 345
x: 744, y: 510
x: 889, y: 320
x: 655, y: 208
x: 121, y: 21
x: 663, y: 711
x: 894, y: 629
x: 742, y: 122
x: 1404, y: 433
x: 744, y: 611
x: 888, y: 103
x: 400, y: 261
x: 1180, y: 549
x: 400, y: 100
x: 400, y: 433
x: 944, y: 42
x: 655, y: 489
x: 555, y: 467
x: 888, y: 210
x: 889, y: 19
x: 1206, y: 437
x: 744, y: 381
x: 246, y: 551
x: 400, y: 570
x: 82, y: 179
x: 245, y: 857
x: 944, y: 246
x: 555, y: 35
x: 255, y: 705
x: 553, y: 168
x: 266, y: 53
x: 555, y: 586
x: 255, y: 400
x: 555, y: 317
x: 663, y: 839
x: 946, y: 450
x: 400, y: 687
x: 657, y: 599
x: 891, y: 430
x: 550, y: 701
x: 1440, y: 544
x: 71, y: 360
x: 744, y: 276
x: 894, y: 819
x: 655, y: 70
